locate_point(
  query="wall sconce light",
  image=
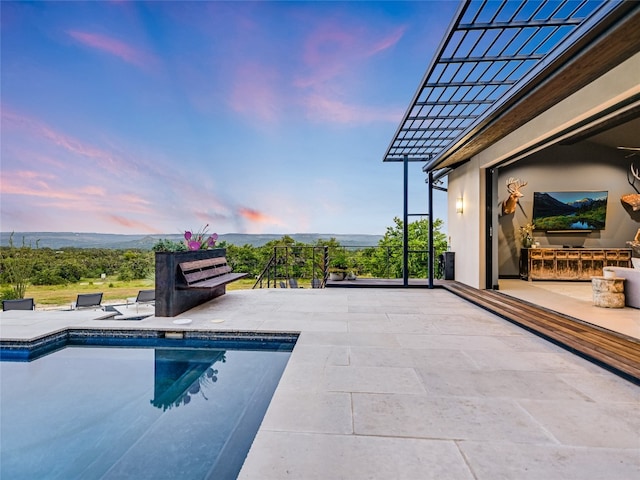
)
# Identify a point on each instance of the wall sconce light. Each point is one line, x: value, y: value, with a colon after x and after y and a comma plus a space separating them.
x: 459, y: 204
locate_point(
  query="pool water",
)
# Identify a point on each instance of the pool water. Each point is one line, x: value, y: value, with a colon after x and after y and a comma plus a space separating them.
x: 143, y: 413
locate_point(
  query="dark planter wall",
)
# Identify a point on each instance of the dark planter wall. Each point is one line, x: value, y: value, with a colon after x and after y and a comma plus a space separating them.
x: 171, y: 297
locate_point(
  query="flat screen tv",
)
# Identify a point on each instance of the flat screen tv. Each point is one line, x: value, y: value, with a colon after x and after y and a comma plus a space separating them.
x: 569, y: 210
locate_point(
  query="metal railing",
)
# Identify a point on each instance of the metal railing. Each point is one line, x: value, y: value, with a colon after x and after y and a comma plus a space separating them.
x: 312, y: 264
x: 295, y: 262
x: 386, y: 262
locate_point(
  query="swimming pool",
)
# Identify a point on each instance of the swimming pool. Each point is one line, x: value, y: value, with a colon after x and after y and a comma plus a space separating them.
x: 176, y: 409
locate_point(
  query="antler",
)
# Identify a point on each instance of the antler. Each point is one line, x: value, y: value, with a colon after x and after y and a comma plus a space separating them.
x: 635, y: 172
x: 514, y: 185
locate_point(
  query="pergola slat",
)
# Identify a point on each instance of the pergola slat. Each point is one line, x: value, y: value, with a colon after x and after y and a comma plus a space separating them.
x: 490, y: 51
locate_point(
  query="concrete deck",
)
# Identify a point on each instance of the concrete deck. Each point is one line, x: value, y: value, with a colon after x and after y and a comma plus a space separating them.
x: 576, y: 300
x: 412, y: 384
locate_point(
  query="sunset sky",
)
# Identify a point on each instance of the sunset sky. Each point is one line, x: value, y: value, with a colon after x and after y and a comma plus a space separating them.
x: 252, y: 117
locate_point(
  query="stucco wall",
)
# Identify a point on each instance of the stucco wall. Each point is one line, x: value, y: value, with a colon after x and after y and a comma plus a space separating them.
x: 465, y: 229
x: 585, y: 166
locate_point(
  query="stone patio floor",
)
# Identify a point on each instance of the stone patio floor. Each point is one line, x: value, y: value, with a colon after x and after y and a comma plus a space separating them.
x: 411, y: 384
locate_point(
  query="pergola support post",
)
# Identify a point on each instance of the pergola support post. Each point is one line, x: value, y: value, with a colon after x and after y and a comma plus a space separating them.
x: 405, y: 225
x: 432, y: 249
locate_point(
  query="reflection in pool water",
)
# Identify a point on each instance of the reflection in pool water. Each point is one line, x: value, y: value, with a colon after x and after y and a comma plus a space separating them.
x: 180, y: 374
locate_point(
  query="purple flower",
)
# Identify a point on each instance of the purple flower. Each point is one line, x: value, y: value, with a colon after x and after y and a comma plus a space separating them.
x: 198, y: 240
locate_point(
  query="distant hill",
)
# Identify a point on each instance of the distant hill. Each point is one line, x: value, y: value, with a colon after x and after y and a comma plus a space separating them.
x: 60, y: 240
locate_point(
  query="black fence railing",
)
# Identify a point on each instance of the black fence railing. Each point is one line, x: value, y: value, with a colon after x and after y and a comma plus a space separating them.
x: 288, y: 264
x: 313, y: 264
x: 386, y: 262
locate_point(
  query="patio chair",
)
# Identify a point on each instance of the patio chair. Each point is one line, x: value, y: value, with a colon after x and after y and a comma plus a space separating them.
x: 293, y: 283
x: 144, y: 297
x: 316, y: 283
x: 20, y: 304
x: 87, y: 300
x: 283, y: 285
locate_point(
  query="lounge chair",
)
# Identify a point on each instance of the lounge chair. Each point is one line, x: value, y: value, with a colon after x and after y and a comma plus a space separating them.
x: 144, y: 297
x: 88, y: 300
x: 283, y: 285
x: 293, y: 283
x: 21, y: 304
x: 316, y: 283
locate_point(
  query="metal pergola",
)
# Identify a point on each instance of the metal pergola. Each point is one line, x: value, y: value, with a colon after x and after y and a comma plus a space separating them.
x: 493, y: 51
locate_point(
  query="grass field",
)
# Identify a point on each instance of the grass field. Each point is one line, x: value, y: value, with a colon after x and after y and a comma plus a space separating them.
x: 115, y: 291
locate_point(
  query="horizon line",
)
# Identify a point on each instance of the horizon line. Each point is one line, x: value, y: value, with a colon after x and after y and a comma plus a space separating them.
x: 160, y: 234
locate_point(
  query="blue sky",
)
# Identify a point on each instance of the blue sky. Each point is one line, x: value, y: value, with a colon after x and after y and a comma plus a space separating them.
x: 253, y: 117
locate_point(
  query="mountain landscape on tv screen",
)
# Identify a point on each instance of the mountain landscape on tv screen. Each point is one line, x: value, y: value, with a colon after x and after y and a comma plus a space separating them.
x: 569, y: 210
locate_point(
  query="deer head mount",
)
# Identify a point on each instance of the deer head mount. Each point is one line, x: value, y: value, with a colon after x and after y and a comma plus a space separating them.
x: 632, y: 199
x: 513, y: 186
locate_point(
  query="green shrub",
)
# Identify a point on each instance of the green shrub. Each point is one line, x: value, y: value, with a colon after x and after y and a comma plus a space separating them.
x: 17, y: 267
x: 165, y: 245
x: 9, y: 293
x: 48, y: 276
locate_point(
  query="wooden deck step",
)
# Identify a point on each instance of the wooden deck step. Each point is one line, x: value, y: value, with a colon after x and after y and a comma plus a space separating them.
x: 615, y: 351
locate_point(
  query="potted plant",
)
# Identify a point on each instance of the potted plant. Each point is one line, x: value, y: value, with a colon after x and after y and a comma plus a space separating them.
x: 352, y: 269
x: 192, y: 241
x: 338, y: 266
x: 526, y: 235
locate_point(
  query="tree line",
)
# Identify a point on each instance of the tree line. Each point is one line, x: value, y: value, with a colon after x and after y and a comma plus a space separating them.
x: 24, y: 265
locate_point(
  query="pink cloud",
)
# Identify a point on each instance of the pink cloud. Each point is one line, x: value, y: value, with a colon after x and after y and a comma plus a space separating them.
x: 77, y: 147
x: 208, y: 218
x: 333, y: 49
x: 257, y: 216
x: 114, y: 47
x: 104, y: 159
x: 132, y: 199
x: 93, y: 191
x: 85, y: 179
x: 130, y: 224
x: 331, y: 53
x: 387, y: 42
x: 74, y: 185
x: 32, y: 184
x: 47, y: 192
x: 324, y: 108
x: 32, y: 176
x: 45, y: 170
x: 254, y: 92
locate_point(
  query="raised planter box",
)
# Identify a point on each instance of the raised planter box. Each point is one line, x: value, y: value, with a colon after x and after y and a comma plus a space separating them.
x: 336, y: 276
x: 171, y: 297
